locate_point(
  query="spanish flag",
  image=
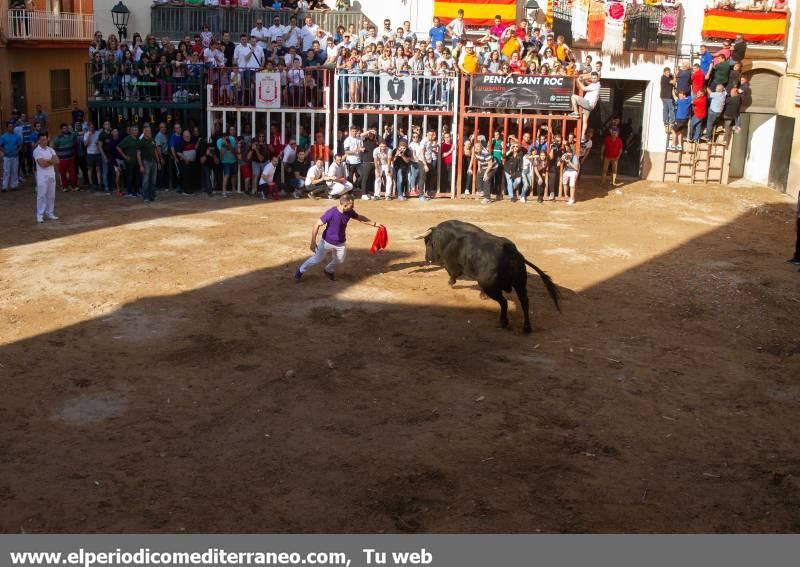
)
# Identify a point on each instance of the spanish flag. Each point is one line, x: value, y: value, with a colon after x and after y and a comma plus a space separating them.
x: 754, y: 26
x: 478, y: 13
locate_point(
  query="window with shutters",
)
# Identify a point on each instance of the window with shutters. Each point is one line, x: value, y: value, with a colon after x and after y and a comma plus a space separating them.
x: 60, y: 96
x: 763, y: 89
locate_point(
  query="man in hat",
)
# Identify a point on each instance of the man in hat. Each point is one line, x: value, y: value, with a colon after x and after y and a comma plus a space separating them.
x: 468, y: 62
x: 334, y: 237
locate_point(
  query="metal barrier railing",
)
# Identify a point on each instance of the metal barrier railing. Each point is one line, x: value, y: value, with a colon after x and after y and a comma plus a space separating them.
x: 364, y: 91
x: 306, y: 87
x: 130, y: 85
x: 176, y: 22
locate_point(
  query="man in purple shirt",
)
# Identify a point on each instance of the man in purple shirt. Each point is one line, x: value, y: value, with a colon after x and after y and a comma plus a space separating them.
x: 335, y: 222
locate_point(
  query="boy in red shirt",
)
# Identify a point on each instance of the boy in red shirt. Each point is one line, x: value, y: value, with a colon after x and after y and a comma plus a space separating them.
x: 700, y: 110
x: 611, y: 152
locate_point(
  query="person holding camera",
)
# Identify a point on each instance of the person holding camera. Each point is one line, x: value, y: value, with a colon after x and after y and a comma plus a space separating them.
x: 571, y: 164
x: 227, y: 153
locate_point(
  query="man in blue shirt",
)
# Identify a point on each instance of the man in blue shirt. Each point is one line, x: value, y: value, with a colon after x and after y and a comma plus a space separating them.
x: 10, y: 144
x: 706, y: 59
x: 437, y: 32
x: 683, y: 111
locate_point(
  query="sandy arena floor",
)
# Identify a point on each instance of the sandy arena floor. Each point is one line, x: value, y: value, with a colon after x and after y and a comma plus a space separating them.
x: 161, y: 371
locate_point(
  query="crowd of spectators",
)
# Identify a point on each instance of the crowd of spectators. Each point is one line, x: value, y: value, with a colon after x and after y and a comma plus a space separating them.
x: 701, y: 95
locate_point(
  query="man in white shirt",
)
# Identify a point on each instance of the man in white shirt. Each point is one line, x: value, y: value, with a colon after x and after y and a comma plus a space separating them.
x: 308, y: 34
x: 430, y: 160
x: 387, y: 33
x: 353, y: 146
x: 266, y: 184
x: 90, y: 139
x: 292, y: 34
x: 261, y: 34
x: 587, y: 102
x: 290, y: 58
x: 337, y: 178
x: 239, y: 53
x: 316, y: 179
x: 46, y: 160
x: 372, y: 37
x: 276, y: 30
x: 382, y: 157
x: 457, y: 29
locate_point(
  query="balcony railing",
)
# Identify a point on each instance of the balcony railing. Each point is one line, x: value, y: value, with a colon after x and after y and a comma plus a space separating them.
x: 119, y: 88
x: 176, y: 22
x: 647, y: 28
x: 304, y: 88
x: 362, y: 91
x: 37, y: 25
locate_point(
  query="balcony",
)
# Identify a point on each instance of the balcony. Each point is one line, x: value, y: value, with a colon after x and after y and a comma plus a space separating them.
x: 647, y: 28
x: 33, y: 26
x: 176, y: 22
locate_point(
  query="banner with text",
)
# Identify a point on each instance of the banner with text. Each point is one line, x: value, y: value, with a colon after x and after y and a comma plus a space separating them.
x: 523, y: 92
x: 396, y: 551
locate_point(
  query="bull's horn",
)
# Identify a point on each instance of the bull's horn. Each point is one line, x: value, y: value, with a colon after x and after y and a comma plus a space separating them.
x: 425, y: 234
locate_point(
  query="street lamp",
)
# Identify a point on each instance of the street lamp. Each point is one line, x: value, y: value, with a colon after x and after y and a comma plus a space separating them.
x: 533, y: 13
x: 120, y: 15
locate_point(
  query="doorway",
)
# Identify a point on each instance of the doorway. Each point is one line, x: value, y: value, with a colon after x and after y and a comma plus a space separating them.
x: 621, y: 99
x: 19, y: 100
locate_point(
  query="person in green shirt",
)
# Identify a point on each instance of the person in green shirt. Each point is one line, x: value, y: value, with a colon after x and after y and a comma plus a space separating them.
x: 227, y: 152
x: 721, y: 72
x: 128, y: 149
x: 149, y: 159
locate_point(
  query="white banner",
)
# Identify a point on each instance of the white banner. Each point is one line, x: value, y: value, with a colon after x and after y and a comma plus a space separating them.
x: 396, y: 90
x: 268, y: 90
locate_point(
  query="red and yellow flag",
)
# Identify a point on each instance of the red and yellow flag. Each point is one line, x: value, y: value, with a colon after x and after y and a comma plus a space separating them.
x: 755, y: 26
x: 476, y: 12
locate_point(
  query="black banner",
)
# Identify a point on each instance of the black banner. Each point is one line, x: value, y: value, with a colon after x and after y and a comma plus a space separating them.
x: 523, y: 92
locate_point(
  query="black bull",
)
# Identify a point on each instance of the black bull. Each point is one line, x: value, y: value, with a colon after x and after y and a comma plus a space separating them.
x: 469, y: 252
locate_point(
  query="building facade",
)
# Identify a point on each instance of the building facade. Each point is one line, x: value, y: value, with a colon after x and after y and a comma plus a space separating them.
x: 43, y: 52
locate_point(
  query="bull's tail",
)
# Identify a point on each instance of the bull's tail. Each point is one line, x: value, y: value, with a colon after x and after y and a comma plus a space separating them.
x: 552, y: 289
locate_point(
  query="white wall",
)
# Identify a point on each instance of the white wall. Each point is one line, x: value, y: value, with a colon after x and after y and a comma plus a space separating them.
x: 418, y: 12
x: 756, y: 165
x: 138, y: 22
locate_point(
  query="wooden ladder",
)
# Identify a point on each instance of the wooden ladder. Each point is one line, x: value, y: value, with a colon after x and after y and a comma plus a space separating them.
x: 703, y: 162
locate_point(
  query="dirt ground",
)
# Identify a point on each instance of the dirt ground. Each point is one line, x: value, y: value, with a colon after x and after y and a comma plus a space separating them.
x: 162, y: 372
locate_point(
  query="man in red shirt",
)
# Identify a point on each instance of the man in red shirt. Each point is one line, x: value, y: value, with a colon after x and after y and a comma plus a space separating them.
x: 700, y: 112
x: 612, y: 150
x: 698, y: 79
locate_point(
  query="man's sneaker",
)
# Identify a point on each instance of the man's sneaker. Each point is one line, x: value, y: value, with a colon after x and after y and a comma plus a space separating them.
x: 51, y: 217
x: 795, y: 261
x: 331, y: 275
x: 39, y: 219
x: 573, y: 115
x: 571, y: 202
x: 298, y: 275
x: 365, y: 197
x: 522, y: 200
x: 63, y: 190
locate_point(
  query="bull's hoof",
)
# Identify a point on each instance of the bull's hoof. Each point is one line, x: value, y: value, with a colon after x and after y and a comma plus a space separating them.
x: 484, y: 296
x: 504, y: 324
x: 526, y: 330
x: 451, y: 282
